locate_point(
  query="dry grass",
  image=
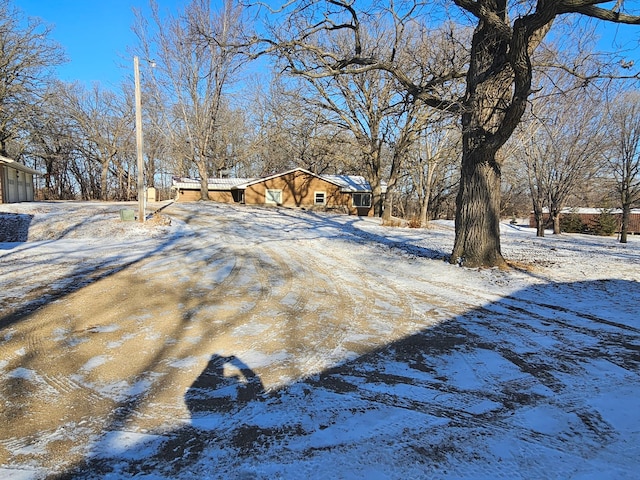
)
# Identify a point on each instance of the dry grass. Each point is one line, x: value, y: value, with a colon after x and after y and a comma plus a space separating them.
x: 393, y: 222
x: 159, y: 220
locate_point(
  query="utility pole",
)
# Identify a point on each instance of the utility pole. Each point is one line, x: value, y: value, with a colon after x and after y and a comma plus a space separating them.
x: 141, y: 199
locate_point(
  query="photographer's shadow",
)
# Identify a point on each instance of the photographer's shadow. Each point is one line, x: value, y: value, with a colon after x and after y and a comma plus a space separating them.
x: 226, y: 384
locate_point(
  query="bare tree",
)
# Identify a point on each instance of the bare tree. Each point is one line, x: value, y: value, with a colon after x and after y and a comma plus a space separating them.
x: 365, y: 106
x: 498, y: 85
x: 532, y: 154
x: 372, y: 106
x: 83, y: 140
x: 438, y: 148
x: 291, y: 132
x: 562, y: 146
x: 27, y: 58
x: 624, y: 153
x: 103, y: 126
x: 195, y: 66
x: 49, y: 143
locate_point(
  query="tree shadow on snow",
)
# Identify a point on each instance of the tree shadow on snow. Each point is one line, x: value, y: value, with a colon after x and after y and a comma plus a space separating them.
x: 542, y: 382
x: 84, y: 274
x: 347, y: 228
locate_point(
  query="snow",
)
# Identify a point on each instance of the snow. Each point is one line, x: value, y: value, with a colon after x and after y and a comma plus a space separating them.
x: 326, y: 346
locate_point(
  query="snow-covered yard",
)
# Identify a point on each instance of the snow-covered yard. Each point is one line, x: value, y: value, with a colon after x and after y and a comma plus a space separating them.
x: 273, y: 343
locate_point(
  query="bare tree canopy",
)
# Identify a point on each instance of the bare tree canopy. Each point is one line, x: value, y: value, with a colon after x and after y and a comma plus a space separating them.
x: 561, y: 143
x: 624, y: 153
x: 497, y: 73
x: 195, y: 66
x: 27, y: 57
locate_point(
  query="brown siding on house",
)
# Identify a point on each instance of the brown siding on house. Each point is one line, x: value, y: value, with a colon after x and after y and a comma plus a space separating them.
x: 189, y: 195
x: 221, y: 196
x: 185, y: 195
x: 634, y: 223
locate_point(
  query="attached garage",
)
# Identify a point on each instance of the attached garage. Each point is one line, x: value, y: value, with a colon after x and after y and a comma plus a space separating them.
x: 220, y: 189
x: 16, y: 181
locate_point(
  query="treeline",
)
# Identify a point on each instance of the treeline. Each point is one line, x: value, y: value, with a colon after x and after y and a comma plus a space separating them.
x: 216, y: 101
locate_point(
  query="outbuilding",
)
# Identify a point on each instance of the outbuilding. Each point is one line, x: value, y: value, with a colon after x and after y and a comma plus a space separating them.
x: 16, y: 181
x: 589, y: 216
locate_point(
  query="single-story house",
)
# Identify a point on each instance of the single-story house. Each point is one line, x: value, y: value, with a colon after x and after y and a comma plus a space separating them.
x: 590, y: 215
x: 16, y: 181
x: 294, y: 188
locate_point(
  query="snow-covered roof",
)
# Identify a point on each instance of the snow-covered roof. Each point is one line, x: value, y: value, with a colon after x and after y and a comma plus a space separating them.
x: 347, y: 183
x: 213, y: 183
x: 18, y: 166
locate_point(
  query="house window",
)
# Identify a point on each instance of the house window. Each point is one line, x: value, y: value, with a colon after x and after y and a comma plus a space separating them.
x: 273, y: 197
x: 362, y: 200
x: 319, y: 198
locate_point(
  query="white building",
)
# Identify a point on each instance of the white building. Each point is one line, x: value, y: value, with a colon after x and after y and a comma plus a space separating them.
x: 16, y: 181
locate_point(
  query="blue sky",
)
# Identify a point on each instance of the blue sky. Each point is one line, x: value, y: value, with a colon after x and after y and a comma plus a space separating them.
x: 96, y: 33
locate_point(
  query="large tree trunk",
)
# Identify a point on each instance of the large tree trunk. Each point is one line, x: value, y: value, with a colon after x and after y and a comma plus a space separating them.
x: 204, y: 180
x: 387, y: 205
x: 374, y: 174
x: 103, y: 179
x: 489, y: 94
x: 477, y: 241
x: 555, y: 217
x: 539, y: 225
x: 538, y: 214
x: 424, y: 212
x: 626, y: 215
x: 377, y: 199
x: 387, y: 208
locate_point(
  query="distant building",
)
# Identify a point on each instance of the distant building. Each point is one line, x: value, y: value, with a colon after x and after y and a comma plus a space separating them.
x: 16, y: 181
x: 590, y: 215
x: 294, y: 188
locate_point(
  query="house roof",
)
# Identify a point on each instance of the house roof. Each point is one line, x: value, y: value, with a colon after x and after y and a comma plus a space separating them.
x: 18, y: 166
x: 213, y: 183
x: 347, y: 183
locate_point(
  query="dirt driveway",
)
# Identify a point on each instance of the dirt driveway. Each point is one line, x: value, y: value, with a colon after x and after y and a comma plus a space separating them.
x: 265, y: 344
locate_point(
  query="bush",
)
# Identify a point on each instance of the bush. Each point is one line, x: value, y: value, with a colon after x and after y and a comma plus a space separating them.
x: 605, y: 224
x: 572, y: 223
x: 414, y: 223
